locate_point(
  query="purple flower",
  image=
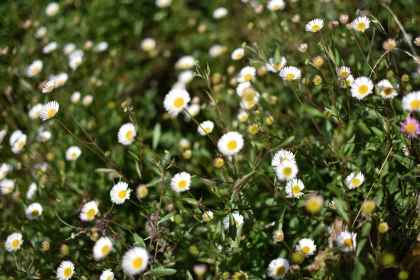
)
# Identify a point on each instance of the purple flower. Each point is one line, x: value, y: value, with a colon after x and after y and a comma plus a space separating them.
x: 411, y: 127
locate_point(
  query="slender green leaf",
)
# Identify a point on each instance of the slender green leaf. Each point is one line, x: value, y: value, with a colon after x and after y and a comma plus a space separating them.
x: 341, y: 208
x: 139, y: 240
x: 157, y: 132
x: 167, y: 217
x: 363, y: 236
x: 161, y: 271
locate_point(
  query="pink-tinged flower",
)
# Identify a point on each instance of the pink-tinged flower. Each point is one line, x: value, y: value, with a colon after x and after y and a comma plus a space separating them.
x: 411, y: 127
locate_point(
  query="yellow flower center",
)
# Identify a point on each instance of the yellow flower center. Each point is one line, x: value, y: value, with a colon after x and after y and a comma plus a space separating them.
x: 34, y: 213
x: 388, y: 91
x: 59, y: 83
x: 36, y: 70
x: 73, y: 155
x: 129, y: 134
x: 278, y: 65
x: 361, y: 26
x: 348, y: 243
x: 244, y: 118
x: 232, y: 145
x: 315, y: 28
x: 410, y: 128
x: 319, y: 63
x: 363, y: 89
x: 182, y: 184
x: 305, y: 250
x: 207, y: 130
x: 51, y: 112
x: 43, y: 138
x: 250, y: 104
x: 249, y: 96
x: 137, y: 262
x: 355, y: 182
x: 346, y: 83
x: 21, y: 144
x: 67, y: 272
x: 105, y: 250
x: 37, y: 114
x: 276, y: 7
x: 290, y: 76
x: 344, y: 74
x: 247, y: 77
x: 415, y: 104
x: 287, y: 171
x: 280, y: 270
x: 239, y: 56
x: 122, y: 194
x: 296, y: 190
x: 207, y: 218
x: 15, y: 243
x: 9, y: 189
x: 178, y: 102
x: 236, y: 223
x: 186, y: 65
x: 91, y: 213
x: 109, y: 277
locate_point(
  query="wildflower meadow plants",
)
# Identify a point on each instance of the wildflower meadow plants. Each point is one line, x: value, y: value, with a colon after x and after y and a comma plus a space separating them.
x: 209, y: 139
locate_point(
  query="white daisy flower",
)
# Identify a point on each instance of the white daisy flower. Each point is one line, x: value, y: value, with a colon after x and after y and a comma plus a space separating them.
x: 31, y: 191
x: 19, y: 144
x: 205, y: 128
x: 15, y: 136
x: 207, y: 216
x: 49, y: 87
x: 13, y: 242
x: 239, y: 220
x: 238, y: 54
x: 185, y: 62
x: 186, y: 76
x: 184, y: 143
x: 34, y: 68
x: 6, y: 186
x: 286, y: 170
x: 107, y: 275
x: 246, y: 74
x: 360, y: 24
x: 387, y: 89
x: 176, y: 100
x: 3, y: 133
x: 275, y: 5
x: 290, y: 73
x: 89, y: 211
x: 102, y: 248
x: 282, y: 155
x: 347, y: 82
x: 278, y: 268
x: 52, y: 9
x: 120, y: 193
x: 361, y: 87
x: 75, y: 97
x: 179, y: 85
x: 181, y: 182
x: 65, y: 271
x: 39, y: 169
x: 4, y: 169
x: 43, y: 136
x: 314, y: 25
x: 215, y: 50
x: 69, y: 48
x: 33, y: 211
x: 347, y: 241
x: 192, y: 111
x: 276, y: 66
x: 75, y: 62
x: 102, y: 46
x: 87, y: 100
x: 343, y: 72
x: 411, y: 102
x: 294, y: 188
x: 126, y: 134
x: 230, y: 143
x: 59, y: 79
x: 76, y: 53
x: 73, y: 153
x: 220, y: 13
x: 148, y: 44
x: 163, y: 3
x: 240, y: 89
x: 50, y: 47
x: 49, y: 110
x: 306, y: 247
x: 354, y: 181
x: 135, y: 260
x: 40, y: 32
x: 243, y: 116
x: 35, y: 111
